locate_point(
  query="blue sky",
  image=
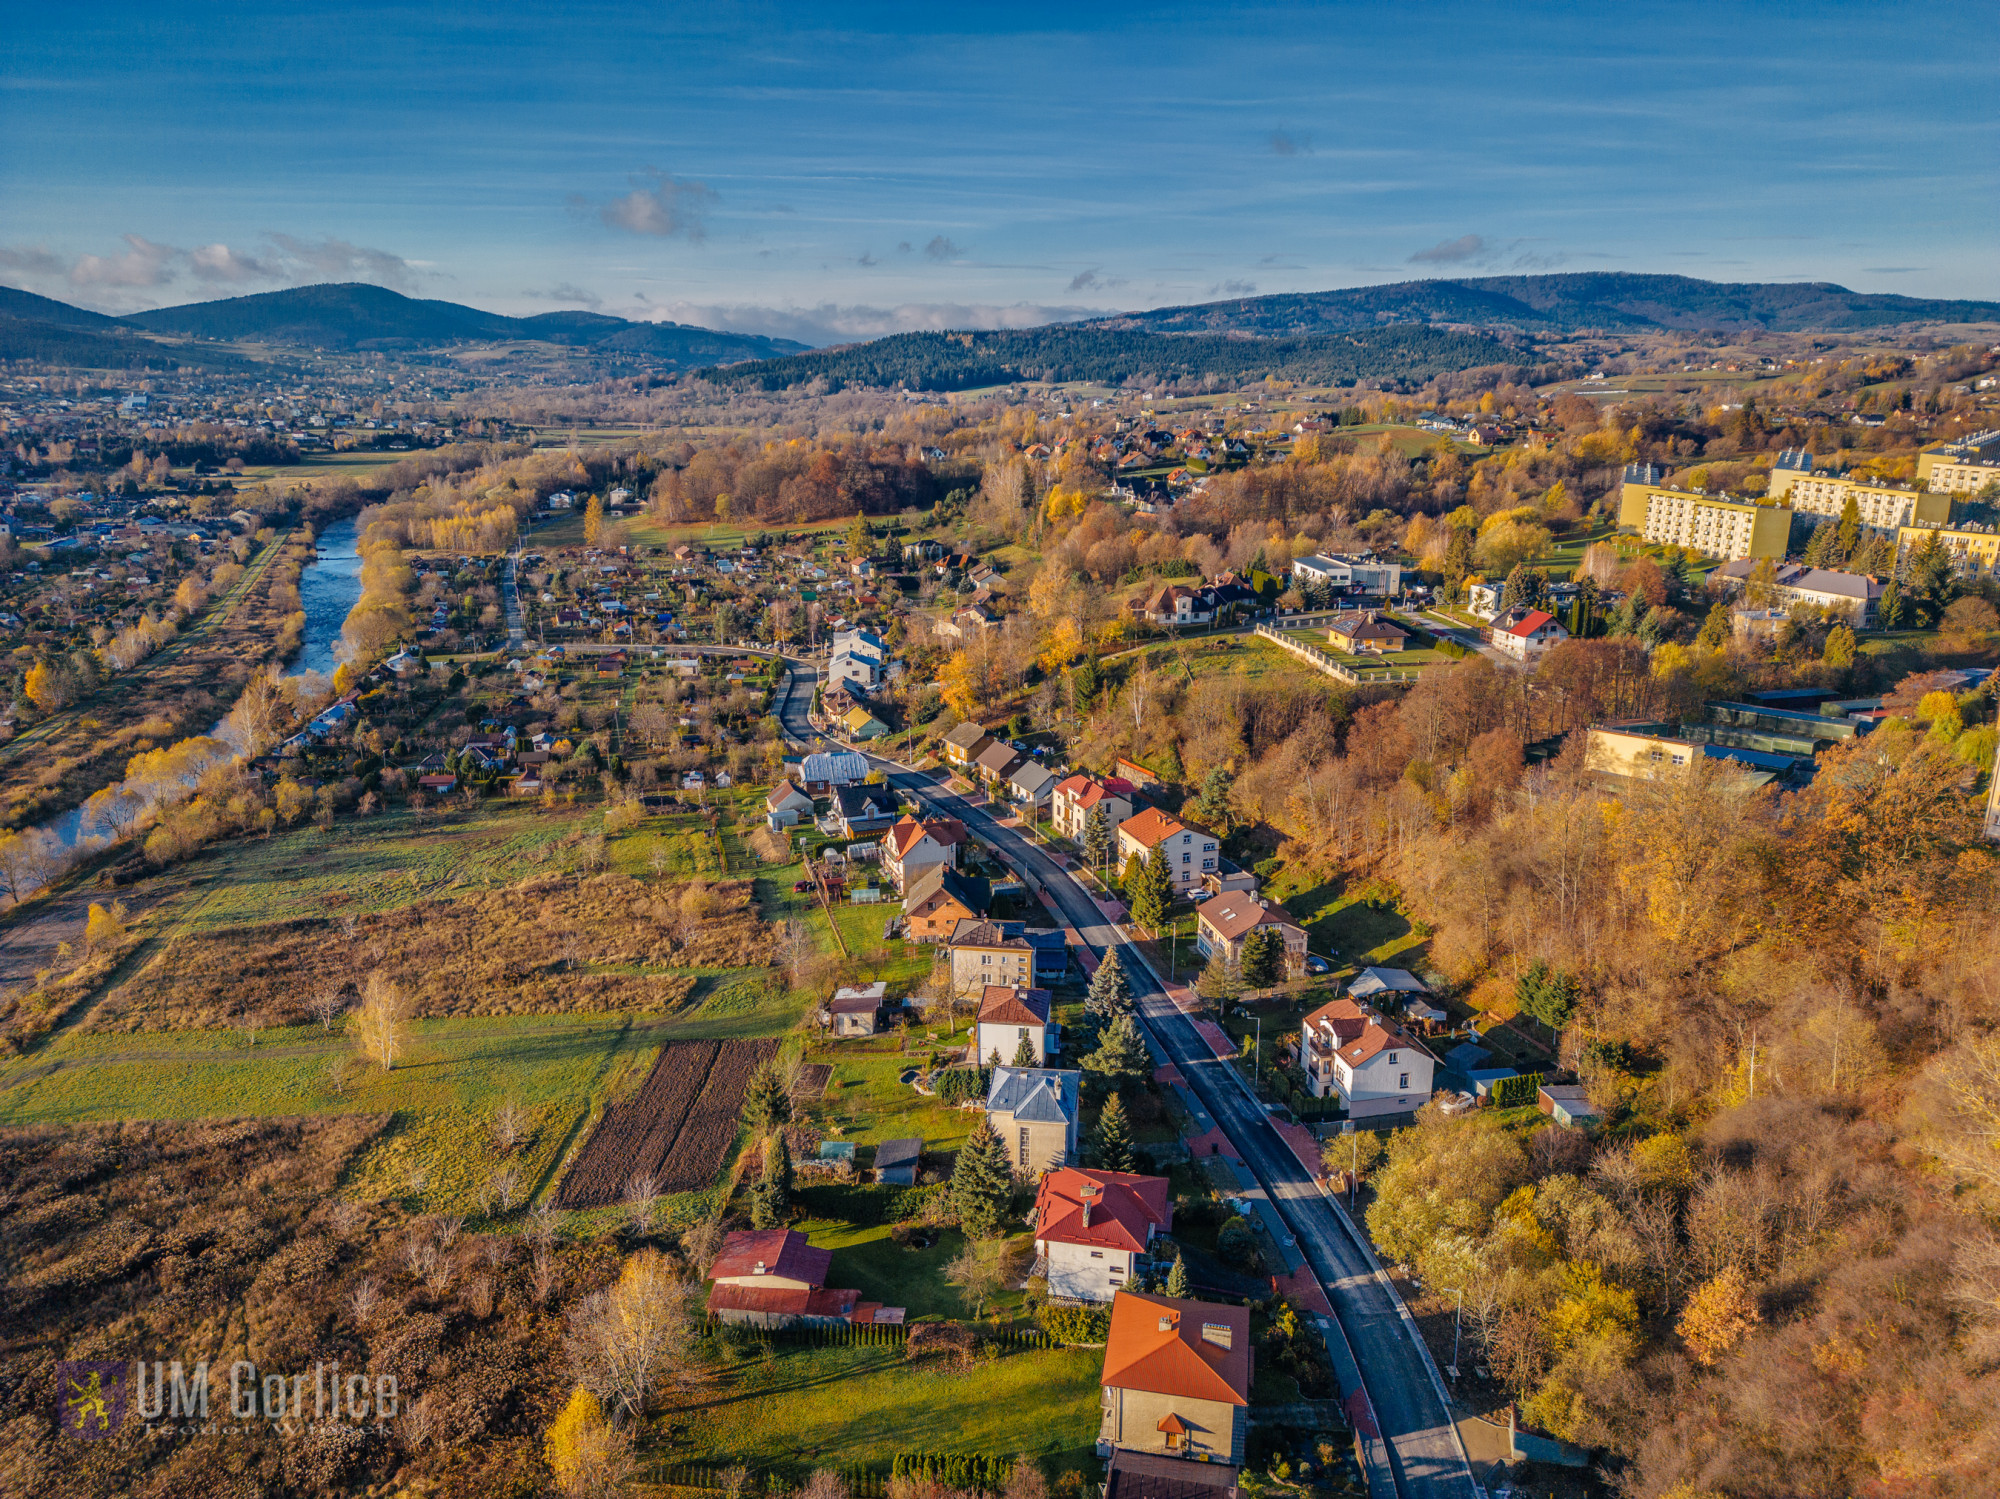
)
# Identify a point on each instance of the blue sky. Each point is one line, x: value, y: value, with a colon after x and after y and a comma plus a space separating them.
x: 836, y: 171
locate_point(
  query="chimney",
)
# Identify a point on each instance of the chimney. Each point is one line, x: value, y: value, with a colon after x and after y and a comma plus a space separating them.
x: 1089, y: 1196
x: 1168, y: 1320
x: 758, y: 1268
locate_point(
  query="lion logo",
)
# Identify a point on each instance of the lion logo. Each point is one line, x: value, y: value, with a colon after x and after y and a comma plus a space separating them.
x: 90, y: 1398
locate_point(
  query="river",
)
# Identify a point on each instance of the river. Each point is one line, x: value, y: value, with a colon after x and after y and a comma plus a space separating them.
x: 328, y: 589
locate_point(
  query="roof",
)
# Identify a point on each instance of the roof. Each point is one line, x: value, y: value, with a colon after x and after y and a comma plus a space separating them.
x: 1153, y: 1475
x: 971, y: 893
x: 859, y: 1001
x: 1359, y: 1032
x: 908, y: 833
x: 1046, y: 1095
x: 842, y: 766
x: 965, y: 736
x: 996, y: 934
x: 1235, y: 912
x: 782, y: 1253
x: 1149, y: 828
x: 999, y: 757
x: 783, y: 1300
x: 1123, y: 1212
x: 861, y: 801
x: 1169, y: 1345
x: 1358, y: 624
x: 1003, y: 1004
x: 1376, y: 980
x: 1032, y: 777
x: 898, y: 1152
x: 1529, y: 623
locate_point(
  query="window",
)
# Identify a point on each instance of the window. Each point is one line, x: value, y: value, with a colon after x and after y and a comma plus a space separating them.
x: 1404, y: 1085
x: 1392, y: 1059
x: 986, y: 957
x: 1097, y: 1254
x: 1024, y: 1145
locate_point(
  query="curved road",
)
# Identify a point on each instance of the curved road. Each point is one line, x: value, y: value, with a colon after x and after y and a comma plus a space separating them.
x: 1419, y: 1456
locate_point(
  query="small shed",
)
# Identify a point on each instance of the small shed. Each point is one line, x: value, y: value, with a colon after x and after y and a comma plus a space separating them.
x: 896, y: 1161
x: 1373, y: 981
x: 857, y: 1011
x: 1567, y: 1103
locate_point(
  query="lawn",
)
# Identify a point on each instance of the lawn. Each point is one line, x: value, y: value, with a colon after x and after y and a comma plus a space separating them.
x: 1341, y: 921
x: 867, y: 1103
x: 868, y: 1260
x: 795, y: 1409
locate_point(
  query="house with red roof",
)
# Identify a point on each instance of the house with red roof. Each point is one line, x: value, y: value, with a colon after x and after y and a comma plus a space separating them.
x: 1093, y: 1227
x: 1008, y: 1016
x: 775, y: 1278
x: 912, y: 846
x: 1190, y: 851
x: 1525, y: 634
x: 1372, y: 1064
x: 1076, y: 797
x: 1176, y: 1378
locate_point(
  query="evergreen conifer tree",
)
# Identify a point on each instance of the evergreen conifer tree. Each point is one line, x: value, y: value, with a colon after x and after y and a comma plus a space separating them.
x: 1177, y: 1277
x: 1097, y: 837
x: 982, y: 1186
x: 1024, y: 1053
x: 766, y: 1104
x: 1121, y: 1056
x: 1110, y: 991
x: 1114, y: 1137
x: 1212, y: 806
x: 1152, y: 894
x: 1849, y: 534
x: 1263, y: 957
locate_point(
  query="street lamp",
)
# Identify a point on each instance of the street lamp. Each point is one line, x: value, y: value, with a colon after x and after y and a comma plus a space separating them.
x: 1457, y: 1320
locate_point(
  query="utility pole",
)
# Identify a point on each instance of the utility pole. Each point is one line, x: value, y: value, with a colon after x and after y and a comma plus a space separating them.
x: 1457, y: 1320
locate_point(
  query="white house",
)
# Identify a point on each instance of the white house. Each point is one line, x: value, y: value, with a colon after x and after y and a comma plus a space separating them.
x: 1373, y: 1065
x: 1093, y: 1227
x: 911, y: 847
x: 786, y: 804
x: 1343, y: 573
x: 1524, y: 636
x: 1009, y: 1015
x: 1190, y: 852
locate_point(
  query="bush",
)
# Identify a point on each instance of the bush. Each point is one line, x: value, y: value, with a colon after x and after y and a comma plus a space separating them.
x: 1452, y: 649
x: 1510, y: 1092
x: 856, y: 1203
x: 958, y: 1085
x: 1236, y: 1243
x: 1073, y: 1324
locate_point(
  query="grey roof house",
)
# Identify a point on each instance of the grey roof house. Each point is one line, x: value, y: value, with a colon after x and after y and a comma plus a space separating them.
x: 1035, y: 1111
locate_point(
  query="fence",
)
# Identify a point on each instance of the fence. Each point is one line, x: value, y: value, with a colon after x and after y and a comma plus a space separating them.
x: 1339, y: 670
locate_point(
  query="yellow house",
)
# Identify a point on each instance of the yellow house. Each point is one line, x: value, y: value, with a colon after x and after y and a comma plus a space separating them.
x: 1718, y: 525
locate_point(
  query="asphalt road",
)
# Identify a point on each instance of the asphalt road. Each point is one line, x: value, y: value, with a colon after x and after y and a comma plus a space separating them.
x: 1422, y: 1449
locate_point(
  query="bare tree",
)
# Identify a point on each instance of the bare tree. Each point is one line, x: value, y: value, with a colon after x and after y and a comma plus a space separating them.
x: 630, y: 1340
x: 363, y: 1300
x: 503, y: 1185
x: 508, y: 1125
x: 702, y: 1244
x: 328, y: 1005
x: 642, y: 1196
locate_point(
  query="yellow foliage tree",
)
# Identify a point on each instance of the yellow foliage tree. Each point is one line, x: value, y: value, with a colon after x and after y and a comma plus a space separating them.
x: 104, y: 927
x: 48, y: 686
x: 1717, y: 1315
x: 959, y: 684
x: 381, y: 1027
x: 588, y: 1456
x: 1061, y: 647
x: 593, y: 521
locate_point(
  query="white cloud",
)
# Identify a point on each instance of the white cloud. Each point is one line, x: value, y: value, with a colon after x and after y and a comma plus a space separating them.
x: 147, y: 269
x: 1466, y: 249
x: 658, y: 205
x: 143, y: 264
x: 569, y: 295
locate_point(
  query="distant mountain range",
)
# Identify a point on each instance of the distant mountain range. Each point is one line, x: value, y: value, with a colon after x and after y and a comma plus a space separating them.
x: 345, y: 316
x: 1409, y: 330
x: 1561, y: 304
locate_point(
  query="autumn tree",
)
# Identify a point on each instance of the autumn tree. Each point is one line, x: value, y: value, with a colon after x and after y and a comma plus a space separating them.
x: 381, y: 1025
x: 1717, y: 1315
x: 590, y: 1458
x: 630, y: 1342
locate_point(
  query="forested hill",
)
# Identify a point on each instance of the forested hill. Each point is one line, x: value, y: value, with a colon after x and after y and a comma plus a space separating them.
x: 353, y: 315
x: 963, y: 361
x: 1560, y: 304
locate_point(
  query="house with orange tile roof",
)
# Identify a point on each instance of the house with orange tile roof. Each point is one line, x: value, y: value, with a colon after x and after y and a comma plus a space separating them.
x: 1076, y: 797
x: 1009, y: 1015
x: 1176, y: 1378
x: 1093, y: 1227
x: 1373, y: 1065
x: 912, y: 846
x: 1526, y: 633
x: 775, y: 1278
x: 1190, y: 851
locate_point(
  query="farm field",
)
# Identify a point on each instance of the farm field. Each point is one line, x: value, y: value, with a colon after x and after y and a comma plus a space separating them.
x: 676, y: 1128
x: 799, y: 1409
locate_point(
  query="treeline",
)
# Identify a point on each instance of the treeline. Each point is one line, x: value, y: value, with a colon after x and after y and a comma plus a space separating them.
x: 963, y: 361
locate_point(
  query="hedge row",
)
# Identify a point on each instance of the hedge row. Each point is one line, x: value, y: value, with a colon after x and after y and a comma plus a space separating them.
x: 855, y: 1202
x: 1522, y: 1088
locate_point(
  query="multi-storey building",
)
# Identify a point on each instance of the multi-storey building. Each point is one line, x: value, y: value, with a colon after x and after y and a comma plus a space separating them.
x: 1720, y: 525
x: 1883, y: 504
x: 1963, y: 467
x: 1975, y: 549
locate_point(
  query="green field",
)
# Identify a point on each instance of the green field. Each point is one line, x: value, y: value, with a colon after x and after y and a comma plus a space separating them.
x: 868, y: 1260
x: 1338, y: 920
x: 795, y: 1409
x: 732, y: 535
x: 867, y: 1103
x: 355, y: 464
